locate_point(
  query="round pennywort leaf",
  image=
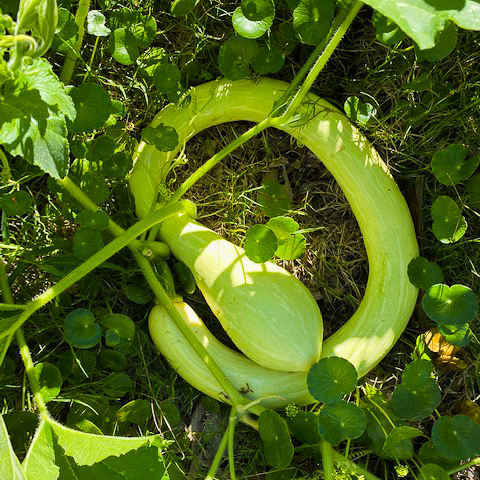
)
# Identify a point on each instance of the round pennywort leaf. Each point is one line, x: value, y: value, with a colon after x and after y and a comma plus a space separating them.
x: 431, y: 471
x: 331, y: 378
x: 358, y: 111
x: 112, y: 360
x: 122, y: 46
x: 81, y: 329
x: 423, y: 274
x: 456, y: 437
x: 96, y: 24
x: 277, y: 444
x: 86, y: 242
x: 166, y: 78
x: 120, y: 323
x: 341, y: 421
x: 136, y: 411
x: 269, y: 59
x: 455, y: 305
x: 260, y: 243
x: 293, y: 248
x: 248, y: 28
x: 16, y: 203
x: 273, y: 199
x: 49, y: 379
x: 311, y: 20
x: 117, y: 384
x: 164, y: 138
x: 449, y: 224
x: 93, y: 106
x: 450, y: 167
x: 235, y: 56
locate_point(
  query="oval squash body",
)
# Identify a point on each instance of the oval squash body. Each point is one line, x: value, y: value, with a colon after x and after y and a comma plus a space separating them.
x: 268, y: 313
x: 249, y: 378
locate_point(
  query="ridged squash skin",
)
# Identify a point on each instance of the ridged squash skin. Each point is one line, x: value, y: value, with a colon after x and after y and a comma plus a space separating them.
x: 268, y: 313
x: 249, y: 378
x: 376, y: 201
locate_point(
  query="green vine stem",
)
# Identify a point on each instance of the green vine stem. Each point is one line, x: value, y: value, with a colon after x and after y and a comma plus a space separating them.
x: 218, y: 457
x: 94, y: 261
x: 319, y: 64
x: 71, y: 59
x: 22, y: 345
x: 327, y: 460
x: 232, y: 421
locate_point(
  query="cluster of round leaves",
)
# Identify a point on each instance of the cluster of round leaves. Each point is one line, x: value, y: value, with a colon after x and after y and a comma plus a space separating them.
x: 451, y: 308
x: 452, y: 167
x: 280, y: 236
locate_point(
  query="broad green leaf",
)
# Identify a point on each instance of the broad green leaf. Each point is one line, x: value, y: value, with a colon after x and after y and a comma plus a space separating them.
x: 66, y: 33
x: 94, y: 187
x: 457, y: 335
x: 112, y: 360
x: 93, y: 107
x: 166, y: 78
x: 398, y: 435
x: 457, y: 437
x: 423, y: 274
x: 137, y: 294
x: 401, y: 449
x: 269, y: 59
x: 293, y: 248
x: 387, y: 31
x: 180, y: 8
x: 235, y: 56
x: 10, y: 467
x: 253, y: 18
x: 273, y: 199
x: 358, y: 111
x: 112, y: 338
x: 170, y: 412
x: 117, y: 384
x: 260, y: 243
x: 450, y: 165
x: 16, y: 203
x: 331, y: 378
x: 100, y: 149
x: 81, y: 329
x: 342, y: 421
x: 430, y: 471
x: 445, y: 43
x: 143, y: 27
x: 423, y: 20
x: 86, y: 242
x: 449, y: 224
x: 282, y: 227
x: 118, y: 165
x: 419, y: 394
x: 305, y: 427
x: 473, y: 184
x: 277, y: 444
x: 136, y: 411
x: 312, y: 19
x: 98, y: 219
x: 49, y: 379
x: 123, y: 47
x: 164, y: 138
x: 120, y: 323
x: 96, y: 24
x: 428, y: 453
x: 455, y: 305
x: 32, y: 118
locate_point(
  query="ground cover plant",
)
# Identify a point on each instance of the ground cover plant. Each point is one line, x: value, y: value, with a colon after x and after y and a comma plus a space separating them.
x: 104, y: 259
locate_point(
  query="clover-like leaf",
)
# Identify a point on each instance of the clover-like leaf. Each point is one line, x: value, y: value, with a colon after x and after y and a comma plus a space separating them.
x: 273, y: 199
x: 136, y: 411
x: 49, y: 379
x: 117, y: 384
x: 81, y: 329
x: 293, y: 248
x: 423, y: 274
x: 277, y: 444
x: 453, y: 305
x: 96, y: 24
x: 86, y: 242
x: 112, y: 360
x: 260, y: 243
x: 253, y: 18
x: 418, y: 394
x: 387, y: 31
x: 331, y: 378
x: 235, y: 56
x: 16, y: 203
x: 358, y: 111
x: 312, y: 19
x: 93, y: 107
x: 164, y: 138
x: 123, y: 46
x: 98, y: 219
x: 166, y: 78
x: 450, y: 165
x: 449, y: 225
x: 269, y: 59
x: 119, y: 323
x: 342, y: 421
x: 431, y: 471
x: 456, y: 437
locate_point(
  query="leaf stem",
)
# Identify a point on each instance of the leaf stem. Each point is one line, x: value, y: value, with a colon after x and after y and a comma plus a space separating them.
x: 71, y: 59
x: 232, y: 421
x: 471, y: 463
x: 320, y: 63
x: 327, y: 460
x: 218, y: 457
